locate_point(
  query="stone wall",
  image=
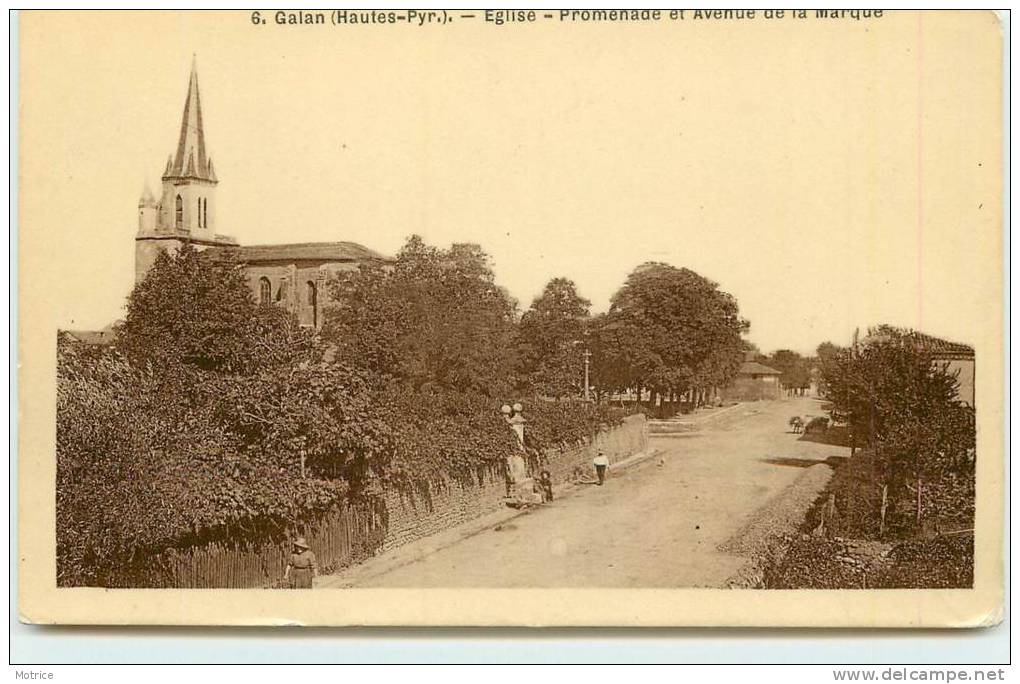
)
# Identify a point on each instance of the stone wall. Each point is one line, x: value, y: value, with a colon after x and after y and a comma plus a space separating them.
x: 445, y: 503
x: 619, y: 443
x: 441, y: 504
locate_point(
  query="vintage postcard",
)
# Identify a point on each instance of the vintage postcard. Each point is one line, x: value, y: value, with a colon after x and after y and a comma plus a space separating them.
x: 511, y: 317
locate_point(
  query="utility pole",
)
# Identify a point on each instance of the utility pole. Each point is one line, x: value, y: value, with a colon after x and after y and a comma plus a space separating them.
x: 587, y: 383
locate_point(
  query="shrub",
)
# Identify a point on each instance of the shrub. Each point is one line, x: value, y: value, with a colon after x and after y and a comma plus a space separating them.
x: 811, y: 563
x: 552, y: 424
x: 144, y: 463
x: 941, y: 563
x: 857, y: 485
x: 438, y: 432
x: 920, y: 438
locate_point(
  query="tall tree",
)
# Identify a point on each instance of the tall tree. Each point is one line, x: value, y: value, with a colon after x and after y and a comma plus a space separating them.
x: 436, y: 316
x: 670, y: 330
x: 551, y: 339
x: 196, y: 308
x: 827, y: 354
x: 795, y: 369
x: 903, y: 406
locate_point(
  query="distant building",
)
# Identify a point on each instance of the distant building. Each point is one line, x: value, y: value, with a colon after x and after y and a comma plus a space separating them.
x: 953, y: 357
x: 291, y: 275
x: 93, y: 338
x: 754, y: 381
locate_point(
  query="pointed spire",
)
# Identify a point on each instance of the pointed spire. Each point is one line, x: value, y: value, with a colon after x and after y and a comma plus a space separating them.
x: 190, y: 159
x: 147, y: 199
x: 211, y: 171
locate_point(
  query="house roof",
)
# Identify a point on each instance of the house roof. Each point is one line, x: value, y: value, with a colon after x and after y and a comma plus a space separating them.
x: 94, y: 337
x: 935, y: 346
x: 307, y: 251
x: 755, y: 368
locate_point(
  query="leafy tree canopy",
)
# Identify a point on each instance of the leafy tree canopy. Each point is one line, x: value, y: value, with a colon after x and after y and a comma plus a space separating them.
x: 435, y: 317
x: 197, y: 309
x: 669, y: 329
x: 551, y: 340
x: 795, y: 369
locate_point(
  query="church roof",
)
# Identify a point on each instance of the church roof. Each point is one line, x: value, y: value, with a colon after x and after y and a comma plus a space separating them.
x: 190, y: 160
x: 91, y: 337
x: 308, y: 251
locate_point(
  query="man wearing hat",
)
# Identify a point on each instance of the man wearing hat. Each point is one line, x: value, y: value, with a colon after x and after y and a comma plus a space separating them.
x: 301, y: 566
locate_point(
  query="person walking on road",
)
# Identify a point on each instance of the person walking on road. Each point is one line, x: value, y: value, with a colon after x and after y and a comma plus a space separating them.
x: 601, y: 463
x: 301, y: 566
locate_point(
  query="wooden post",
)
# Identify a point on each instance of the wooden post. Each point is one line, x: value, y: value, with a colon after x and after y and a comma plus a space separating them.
x: 919, y: 504
x: 830, y: 513
x: 885, y: 504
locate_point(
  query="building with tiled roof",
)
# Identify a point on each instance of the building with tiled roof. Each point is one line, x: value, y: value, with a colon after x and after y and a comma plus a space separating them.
x: 290, y: 275
x: 754, y: 381
x: 755, y: 369
x: 935, y: 346
x: 953, y: 357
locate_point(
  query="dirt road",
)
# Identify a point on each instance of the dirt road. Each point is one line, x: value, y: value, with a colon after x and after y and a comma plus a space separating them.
x: 656, y: 525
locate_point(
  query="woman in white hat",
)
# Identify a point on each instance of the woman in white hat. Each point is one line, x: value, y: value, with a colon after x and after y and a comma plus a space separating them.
x: 301, y: 566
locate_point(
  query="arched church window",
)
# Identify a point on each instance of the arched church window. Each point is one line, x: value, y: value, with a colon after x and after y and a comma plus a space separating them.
x: 281, y: 294
x: 265, y: 291
x: 198, y: 212
x: 179, y: 213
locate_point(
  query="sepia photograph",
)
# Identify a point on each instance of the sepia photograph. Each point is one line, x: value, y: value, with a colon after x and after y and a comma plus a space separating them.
x: 514, y: 317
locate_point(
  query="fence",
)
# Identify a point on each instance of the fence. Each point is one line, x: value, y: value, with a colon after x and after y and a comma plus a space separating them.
x: 344, y: 535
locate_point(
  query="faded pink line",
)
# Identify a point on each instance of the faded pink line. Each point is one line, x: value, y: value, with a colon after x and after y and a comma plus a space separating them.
x: 920, y: 175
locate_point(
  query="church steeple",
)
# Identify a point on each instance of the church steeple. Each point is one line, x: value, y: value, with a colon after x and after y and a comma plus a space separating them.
x: 186, y: 211
x: 190, y: 160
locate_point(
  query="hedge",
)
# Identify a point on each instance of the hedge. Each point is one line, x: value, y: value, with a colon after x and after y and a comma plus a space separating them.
x: 151, y: 458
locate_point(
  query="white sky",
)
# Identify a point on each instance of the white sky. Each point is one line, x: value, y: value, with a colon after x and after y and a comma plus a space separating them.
x: 783, y: 165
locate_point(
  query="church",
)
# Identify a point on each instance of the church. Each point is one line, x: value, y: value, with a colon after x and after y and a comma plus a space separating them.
x: 290, y: 275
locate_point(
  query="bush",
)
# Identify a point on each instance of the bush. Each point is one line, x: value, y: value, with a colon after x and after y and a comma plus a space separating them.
x: 813, y: 563
x: 438, y: 432
x: 144, y: 462
x: 553, y: 424
x: 857, y: 485
x: 920, y: 441
x: 941, y: 563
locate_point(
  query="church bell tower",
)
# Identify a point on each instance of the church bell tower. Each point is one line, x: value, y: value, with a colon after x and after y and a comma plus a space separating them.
x: 186, y: 211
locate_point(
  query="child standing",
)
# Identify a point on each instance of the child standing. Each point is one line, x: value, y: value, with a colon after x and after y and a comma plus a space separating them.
x: 601, y: 463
